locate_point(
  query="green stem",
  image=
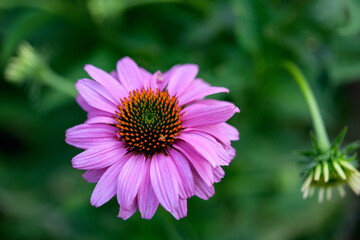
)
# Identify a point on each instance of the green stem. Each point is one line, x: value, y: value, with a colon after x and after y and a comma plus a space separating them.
x: 57, y: 82
x: 320, y: 131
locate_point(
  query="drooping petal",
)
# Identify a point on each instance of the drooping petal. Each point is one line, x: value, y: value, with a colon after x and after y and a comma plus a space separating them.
x: 197, y: 90
x: 93, y: 176
x: 186, y: 180
x: 179, y: 77
x: 181, y: 211
x: 202, y: 190
x: 201, y: 165
x: 96, y: 95
x: 125, y: 214
x: 90, y: 135
x: 147, y: 201
x: 106, y: 187
x: 218, y: 174
x: 232, y: 152
x: 129, y: 74
x: 100, y: 156
x: 231, y: 131
x: 201, y: 144
x: 108, y: 82
x: 223, y: 155
x: 129, y: 181
x: 164, y: 181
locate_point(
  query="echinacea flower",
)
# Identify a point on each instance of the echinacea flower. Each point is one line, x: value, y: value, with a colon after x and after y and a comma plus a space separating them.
x: 151, y: 138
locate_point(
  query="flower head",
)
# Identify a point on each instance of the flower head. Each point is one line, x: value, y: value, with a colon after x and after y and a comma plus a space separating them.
x: 334, y: 167
x: 151, y: 139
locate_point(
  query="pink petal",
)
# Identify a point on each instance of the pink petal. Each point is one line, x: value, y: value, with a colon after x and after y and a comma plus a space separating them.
x: 224, y: 154
x: 98, y: 116
x: 125, y: 214
x: 219, y: 131
x: 209, y: 148
x: 100, y: 156
x: 145, y: 74
x: 147, y: 201
x: 96, y: 95
x: 186, y: 180
x: 108, y: 82
x: 231, y: 131
x: 181, y: 211
x: 232, y: 152
x: 197, y: 90
x: 179, y: 78
x: 208, y: 112
x: 129, y: 74
x: 129, y: 181
x: 218, y: 174
x: 164, y: 181
x: 164, y: 78
x: 114, y: 75
x: 201, y: 165
x: 106, y: 187
x: 90, y: 135
x: 83, y: 104
x: 202, y: 145
x: 151, y: 82
x: 202, y: 190
x: 93, y: 176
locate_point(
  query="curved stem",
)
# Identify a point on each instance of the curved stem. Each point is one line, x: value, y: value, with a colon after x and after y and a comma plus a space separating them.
x: 320, y: 131
x: 58, y: 82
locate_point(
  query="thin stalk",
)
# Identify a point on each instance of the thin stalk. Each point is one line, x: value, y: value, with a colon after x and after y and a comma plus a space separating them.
x: 320, y: 131
x: 58, y: 82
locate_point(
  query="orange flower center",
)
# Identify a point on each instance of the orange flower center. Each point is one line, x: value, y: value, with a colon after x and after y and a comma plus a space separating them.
x: 148, y: 121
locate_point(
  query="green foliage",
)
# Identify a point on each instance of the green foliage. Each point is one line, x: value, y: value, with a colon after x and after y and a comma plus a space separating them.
x: 237, y: 44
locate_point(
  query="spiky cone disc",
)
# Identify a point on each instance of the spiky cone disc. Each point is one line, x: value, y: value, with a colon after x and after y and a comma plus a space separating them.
x: 148, y: 121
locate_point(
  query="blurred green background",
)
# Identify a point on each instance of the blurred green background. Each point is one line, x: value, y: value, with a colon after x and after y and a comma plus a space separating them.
x: 237, y: 44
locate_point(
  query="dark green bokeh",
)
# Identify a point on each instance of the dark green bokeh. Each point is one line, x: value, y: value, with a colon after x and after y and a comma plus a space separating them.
x: 238, y: 45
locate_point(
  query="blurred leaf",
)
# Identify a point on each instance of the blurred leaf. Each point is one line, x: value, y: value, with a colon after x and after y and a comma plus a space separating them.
x: 246, y: 25
x: 50, y: 6
x: 353, y: 25
x: 344, y: 64
x: 103, y: 10
x: 19, y: 30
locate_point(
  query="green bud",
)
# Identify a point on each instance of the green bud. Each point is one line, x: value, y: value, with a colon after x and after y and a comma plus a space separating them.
x: 326, y: 169
x: 27, y: 65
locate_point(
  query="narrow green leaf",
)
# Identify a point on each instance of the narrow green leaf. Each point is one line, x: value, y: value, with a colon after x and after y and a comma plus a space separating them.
x: 339, y: 138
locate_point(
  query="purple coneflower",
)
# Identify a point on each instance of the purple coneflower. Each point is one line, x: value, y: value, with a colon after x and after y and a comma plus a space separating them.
x: 151, y: 138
